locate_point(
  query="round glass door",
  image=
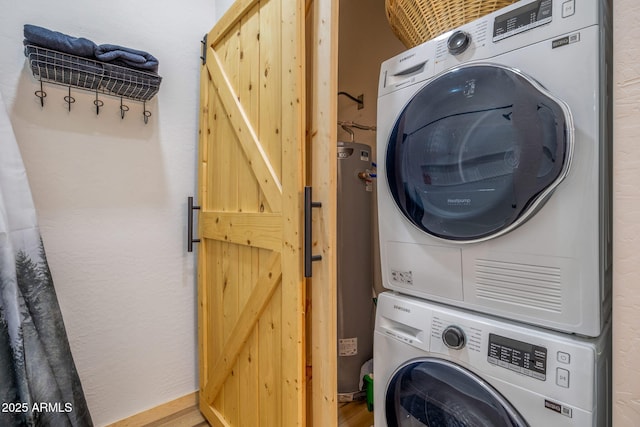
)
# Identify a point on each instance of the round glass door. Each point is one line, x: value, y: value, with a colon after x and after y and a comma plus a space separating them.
x: 438, y: 393
x: 476, y: 151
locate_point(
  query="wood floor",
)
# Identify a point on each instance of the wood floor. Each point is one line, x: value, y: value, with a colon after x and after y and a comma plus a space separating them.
x: 183, y: 412
x: 354, y: 414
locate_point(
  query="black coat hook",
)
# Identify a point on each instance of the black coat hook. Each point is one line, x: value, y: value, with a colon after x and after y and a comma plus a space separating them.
x: 98, y: 103
x: 69, y: 99
x: 41, y: 94
x: 145, y: 113
x: 123, y: 108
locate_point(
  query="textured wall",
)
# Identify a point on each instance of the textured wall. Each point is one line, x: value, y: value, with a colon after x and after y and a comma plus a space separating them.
x: 111, y: 198
x: 626, y: 227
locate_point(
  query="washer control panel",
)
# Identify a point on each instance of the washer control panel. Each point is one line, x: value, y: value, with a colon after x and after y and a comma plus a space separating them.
x: 518, y: 356
x: 524, y: 18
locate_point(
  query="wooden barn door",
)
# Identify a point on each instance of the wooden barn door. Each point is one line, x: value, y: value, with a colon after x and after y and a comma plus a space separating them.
x: 251, y: 178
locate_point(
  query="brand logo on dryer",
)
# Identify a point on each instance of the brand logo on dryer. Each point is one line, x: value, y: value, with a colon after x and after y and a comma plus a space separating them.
x: 404, y: 58
x: 459, y: 202
x: 401, y: 308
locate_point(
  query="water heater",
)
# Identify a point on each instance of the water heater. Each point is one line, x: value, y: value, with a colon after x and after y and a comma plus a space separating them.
x: 356, y: 312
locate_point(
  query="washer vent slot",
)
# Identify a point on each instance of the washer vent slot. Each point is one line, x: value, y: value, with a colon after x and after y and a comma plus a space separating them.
x: 534, y: 286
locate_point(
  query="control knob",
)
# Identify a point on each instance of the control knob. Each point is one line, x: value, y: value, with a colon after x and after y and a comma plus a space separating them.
x: 458, y: 42
x: 453, y: 337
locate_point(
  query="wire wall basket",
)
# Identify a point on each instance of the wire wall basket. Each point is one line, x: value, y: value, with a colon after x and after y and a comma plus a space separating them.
x: 60, y: 68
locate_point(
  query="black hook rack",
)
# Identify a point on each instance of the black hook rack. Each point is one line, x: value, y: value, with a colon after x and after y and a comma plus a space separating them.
x: 96, y: 77
x: 41, y: 94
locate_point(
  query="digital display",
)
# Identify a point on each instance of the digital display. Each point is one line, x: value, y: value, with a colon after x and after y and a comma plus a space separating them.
x: 522, y: 19
x: 518, y: 356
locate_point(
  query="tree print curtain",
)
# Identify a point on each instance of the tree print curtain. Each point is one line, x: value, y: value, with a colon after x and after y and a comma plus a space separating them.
x: 39, y: 384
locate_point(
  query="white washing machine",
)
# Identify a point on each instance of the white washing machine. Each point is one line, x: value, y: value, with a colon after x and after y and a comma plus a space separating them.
x: 435, y: 366
x: 494, y: 157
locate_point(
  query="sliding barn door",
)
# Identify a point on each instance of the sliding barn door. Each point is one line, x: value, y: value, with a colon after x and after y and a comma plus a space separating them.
x: 251, y: 179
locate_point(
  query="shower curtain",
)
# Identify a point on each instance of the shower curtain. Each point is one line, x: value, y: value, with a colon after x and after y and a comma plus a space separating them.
x: 39, y: 384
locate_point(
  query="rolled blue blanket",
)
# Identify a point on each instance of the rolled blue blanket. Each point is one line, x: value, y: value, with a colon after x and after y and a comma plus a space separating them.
x: 128, y: 57
x: 43, y: 37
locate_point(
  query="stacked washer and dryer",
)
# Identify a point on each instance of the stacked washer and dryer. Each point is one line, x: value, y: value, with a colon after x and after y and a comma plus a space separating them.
x: 494, y: 204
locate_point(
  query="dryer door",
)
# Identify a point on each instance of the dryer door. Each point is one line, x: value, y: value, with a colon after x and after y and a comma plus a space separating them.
x: 434, y: 393
x: 477, y: 151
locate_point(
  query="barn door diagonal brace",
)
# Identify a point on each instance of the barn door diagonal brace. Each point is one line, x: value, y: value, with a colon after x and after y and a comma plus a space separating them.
x: 308, y: 237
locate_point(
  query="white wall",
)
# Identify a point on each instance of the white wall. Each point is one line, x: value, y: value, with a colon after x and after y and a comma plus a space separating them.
x: 111, y: 198
x: 222, y: 6
x: 626, y: 205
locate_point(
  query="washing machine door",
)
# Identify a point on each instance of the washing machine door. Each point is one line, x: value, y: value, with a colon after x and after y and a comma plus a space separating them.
x: 437, y: 393
x: 477, y: 151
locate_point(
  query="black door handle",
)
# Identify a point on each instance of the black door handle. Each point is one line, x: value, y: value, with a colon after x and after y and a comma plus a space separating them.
x: 190, y: 239
x: 308, y: 239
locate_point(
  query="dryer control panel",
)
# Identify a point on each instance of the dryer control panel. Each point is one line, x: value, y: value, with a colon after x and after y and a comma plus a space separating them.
x: 518, y: 356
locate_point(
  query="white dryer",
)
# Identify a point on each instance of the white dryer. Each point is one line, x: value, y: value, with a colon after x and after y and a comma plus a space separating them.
x: 494, y: 158
x: 436, y: 366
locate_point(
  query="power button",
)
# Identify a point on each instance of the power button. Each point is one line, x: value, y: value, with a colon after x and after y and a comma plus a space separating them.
x: 568, y: 8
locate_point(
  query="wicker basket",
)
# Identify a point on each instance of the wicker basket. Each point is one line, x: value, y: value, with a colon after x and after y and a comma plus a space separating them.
x: 416, y: 21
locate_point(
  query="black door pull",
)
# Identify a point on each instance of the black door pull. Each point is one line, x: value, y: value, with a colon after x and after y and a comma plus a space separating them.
x: 308, y: 239
x: 190, y: 239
